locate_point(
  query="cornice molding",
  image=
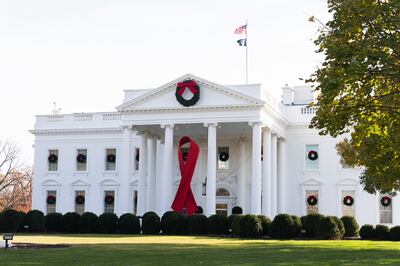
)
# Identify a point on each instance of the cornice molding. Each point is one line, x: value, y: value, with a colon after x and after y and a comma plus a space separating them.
x: 75, y: 131
x: 195, y: 108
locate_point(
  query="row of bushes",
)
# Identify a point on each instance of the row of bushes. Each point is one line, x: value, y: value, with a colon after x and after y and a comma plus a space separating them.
x: 380, y: 232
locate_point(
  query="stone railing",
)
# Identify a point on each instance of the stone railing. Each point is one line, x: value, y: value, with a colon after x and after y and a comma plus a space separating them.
x: 307, y: 110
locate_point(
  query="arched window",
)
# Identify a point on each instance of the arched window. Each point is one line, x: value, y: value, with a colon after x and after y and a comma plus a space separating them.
x: 222, y: 192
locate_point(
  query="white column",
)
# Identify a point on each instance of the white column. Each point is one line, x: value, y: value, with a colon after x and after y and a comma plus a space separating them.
x: 256, y: 169
x: 274, y: 176
x: 141, y: 208
x: 125, y: 158
x: 159, y: 177
x: 151, y: 177
x: 281, y: 175
x: 166, y: 180
x: 266, y: 179
x: 241, y: 183
x: 211, y: 168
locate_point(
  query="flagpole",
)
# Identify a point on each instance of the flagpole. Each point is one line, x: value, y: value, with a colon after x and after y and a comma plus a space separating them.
x: 247, y: 57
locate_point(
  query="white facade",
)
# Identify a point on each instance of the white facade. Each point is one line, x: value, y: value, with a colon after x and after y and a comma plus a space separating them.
x: 268, y: 141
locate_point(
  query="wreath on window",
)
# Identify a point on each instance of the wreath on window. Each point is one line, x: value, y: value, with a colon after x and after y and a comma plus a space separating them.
x: 181, y: 88
x: 312, y: 200
x: 312, y: 155
x: 81, y: 158
x: 52, y: 158
x: 109, y: 199
x: 111, y: 158
x: 80, y: 199
x: 51, y: 199
x: 386, y: 201
x: 223, y: 156
x: 348, y: 200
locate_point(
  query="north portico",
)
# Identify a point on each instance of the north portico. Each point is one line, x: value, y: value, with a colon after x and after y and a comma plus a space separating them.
x: 222, y: 117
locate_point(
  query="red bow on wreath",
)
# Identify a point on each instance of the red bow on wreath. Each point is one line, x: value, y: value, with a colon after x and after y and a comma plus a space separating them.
x: 190, y: 84
x: 184, y: 196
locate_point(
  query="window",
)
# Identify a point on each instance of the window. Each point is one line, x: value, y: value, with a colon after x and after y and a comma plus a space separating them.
x: 53, y: 160
x: 221, y: 209
x: 109, y: 201
x: 223, y: 158
x: 135, y: 198
x: 137, y: 158
x: 312, y: 157
x: 385, y: 209
x: 348, y: 203
x: 51, y: 201
x: 80, y: 202
x: 222, y: 192
x: 81, y: 159
x: 111, y: 158
x: 312, y: 201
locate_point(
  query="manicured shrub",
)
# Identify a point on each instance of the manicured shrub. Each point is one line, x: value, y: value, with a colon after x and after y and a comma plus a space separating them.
x: 265, y: 224
x: 107, y: 223
x: 395, y: 233
x: 151, y: 224
x: 328, y: 228
x: 237, y: 210
x: 53, y: 222
x: 197, y: 224
x: 88, y: 222
x: 35, y: 221
x: 296, y: 225
x: 70, y: 222
x: 173, y: 223
x: 351, y: 226
x: 381, y: 232
x: 217, y: 224
x: 230, y: 220
x: 311, y: 224
x: 282, y: 227
x: 250, y: 226
x: 340, y: 225
x: 10, y: 220
x: 236, y: 224
x: 128, y: 224
x: 367, y: 231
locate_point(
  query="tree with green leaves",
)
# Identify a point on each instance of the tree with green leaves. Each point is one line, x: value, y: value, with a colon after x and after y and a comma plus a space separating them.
x: 358, y: 86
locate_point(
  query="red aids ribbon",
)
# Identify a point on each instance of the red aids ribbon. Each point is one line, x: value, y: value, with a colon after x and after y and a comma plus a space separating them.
x: 184, y: 196
x: 190, y: 84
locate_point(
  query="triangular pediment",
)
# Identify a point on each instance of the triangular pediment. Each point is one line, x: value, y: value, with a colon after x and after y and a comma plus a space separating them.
x: 211, y: 95
x: 80, y: 183
x: 311, y: 182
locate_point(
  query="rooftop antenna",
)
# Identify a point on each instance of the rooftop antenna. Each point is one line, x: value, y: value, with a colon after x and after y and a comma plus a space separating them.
x: 56, y: 110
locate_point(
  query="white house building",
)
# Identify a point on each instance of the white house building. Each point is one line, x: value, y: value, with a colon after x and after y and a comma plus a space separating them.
x: 256, y: 152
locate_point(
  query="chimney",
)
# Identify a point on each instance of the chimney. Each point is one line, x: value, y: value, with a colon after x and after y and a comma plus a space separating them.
x: 287, y: 95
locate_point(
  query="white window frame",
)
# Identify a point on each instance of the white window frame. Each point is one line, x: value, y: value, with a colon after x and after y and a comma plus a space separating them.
x: 105, y: 160
x: 304, y: 156
x: 87, y: 161
x: 49, y: 172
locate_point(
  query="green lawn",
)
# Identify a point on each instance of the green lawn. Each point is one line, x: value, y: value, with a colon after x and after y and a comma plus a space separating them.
x: 184, y: 250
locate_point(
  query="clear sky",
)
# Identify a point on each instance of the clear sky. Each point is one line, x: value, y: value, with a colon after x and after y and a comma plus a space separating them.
x: 83, y: 54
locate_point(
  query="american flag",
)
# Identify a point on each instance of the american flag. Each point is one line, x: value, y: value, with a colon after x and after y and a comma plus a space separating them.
x: 241, y: 30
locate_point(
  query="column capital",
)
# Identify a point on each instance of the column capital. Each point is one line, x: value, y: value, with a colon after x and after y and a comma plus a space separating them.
x: 255, y: 123
x: 211, y: 124
x: 167, y: 125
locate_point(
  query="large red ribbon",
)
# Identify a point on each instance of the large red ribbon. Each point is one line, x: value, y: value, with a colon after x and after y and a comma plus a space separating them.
x: 190, y: 84
x: 184, y: 196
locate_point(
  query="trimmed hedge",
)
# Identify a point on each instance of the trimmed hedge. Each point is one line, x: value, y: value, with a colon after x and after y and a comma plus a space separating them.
x: 395, y: 233
x: 328, y: 228
x: 129, y: 224
x: 282, y: 227
x: 10, y: 220
x: 35, y: 221
x: 237, y: 210
x: 236, y: 224
x: 381, y: 232
x: 351, y: 226
x: 217, y: 224
x: 197, y: 224
x: 340, y: 225
x: 297, y: 225
x: 173, y: 223
x: 367, y: 232
x: 265, y: 223
x: 22, y: 221
x: 311, y: 224
x: 88, y: 222
x: 70, y: 222
x: 151, y: 224
x: 107, y: 223
x: 53, y: 222
x: 250, y: 226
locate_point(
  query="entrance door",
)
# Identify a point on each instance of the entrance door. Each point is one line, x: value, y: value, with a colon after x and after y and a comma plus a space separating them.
x: 224, y: 202
x: 221, y: 208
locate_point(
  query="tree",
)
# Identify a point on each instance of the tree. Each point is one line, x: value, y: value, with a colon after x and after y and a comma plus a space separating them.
x: 359, y: 87
x: 15, y: 179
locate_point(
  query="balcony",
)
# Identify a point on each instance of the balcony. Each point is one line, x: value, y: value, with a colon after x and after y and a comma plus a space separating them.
x: 298, y: 114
